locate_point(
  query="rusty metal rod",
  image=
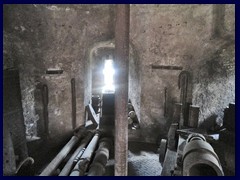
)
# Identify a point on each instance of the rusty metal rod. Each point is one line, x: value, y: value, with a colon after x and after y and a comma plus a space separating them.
x: 73, y: 103
x: 166, y: 67
x: 52, y: 166
x: 97, y: 167
x: 70, y: 164
x: 45, y: 108
x: 82, y: 165
x: 121, y: 93
x: 165, y: 101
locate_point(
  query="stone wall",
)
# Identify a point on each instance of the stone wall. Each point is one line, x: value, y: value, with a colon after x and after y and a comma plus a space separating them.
x: 40, y: 37
x: 186, y: 36
x: 198, y: 38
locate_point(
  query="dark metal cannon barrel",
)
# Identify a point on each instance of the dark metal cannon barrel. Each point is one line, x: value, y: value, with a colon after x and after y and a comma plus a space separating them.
x: 70, y: 164
x: 52, y: 166
x: 97, y: 167
x: 82, y: 165
x: 199, y: 158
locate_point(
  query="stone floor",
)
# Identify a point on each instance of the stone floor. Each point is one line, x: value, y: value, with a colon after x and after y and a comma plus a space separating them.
x: 142, y: 160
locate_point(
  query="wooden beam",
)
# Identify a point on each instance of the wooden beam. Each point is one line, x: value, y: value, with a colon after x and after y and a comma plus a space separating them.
x: 121, y: 93
x: 92, y: 115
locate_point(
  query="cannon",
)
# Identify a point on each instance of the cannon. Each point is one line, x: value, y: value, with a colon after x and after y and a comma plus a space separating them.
x: 199, y: 158
x: 194, y: 156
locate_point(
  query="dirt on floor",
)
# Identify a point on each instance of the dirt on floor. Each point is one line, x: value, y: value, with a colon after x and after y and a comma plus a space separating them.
x: 143, y: 160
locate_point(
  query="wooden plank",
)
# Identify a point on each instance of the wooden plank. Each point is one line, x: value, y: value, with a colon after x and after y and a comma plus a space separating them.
x: 169, y: 163
x: 121, y: 93
x: 92, y: 115
x: 171, y: 158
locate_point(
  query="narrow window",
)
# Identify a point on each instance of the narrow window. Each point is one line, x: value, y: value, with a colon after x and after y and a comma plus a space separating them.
x: 108, y: 72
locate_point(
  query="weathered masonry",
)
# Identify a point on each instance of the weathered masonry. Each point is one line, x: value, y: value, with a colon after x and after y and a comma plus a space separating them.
x: 118, y: 89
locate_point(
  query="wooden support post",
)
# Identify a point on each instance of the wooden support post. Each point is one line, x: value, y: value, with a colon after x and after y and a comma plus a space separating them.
x: 121, y: 81
x: 177, y: 113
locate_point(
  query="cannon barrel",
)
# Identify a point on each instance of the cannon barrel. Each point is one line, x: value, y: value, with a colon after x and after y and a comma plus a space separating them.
x: 199, y: 158
x: 52, y: 166
x: 97, y: 167
x: 82, y: 165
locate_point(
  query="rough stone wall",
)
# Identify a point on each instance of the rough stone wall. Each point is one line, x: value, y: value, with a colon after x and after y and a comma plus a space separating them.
x: 181, y: 35
x: 214, y: 78
x: 39, y: 37
x: 134, y: 92
x: 199, y: 38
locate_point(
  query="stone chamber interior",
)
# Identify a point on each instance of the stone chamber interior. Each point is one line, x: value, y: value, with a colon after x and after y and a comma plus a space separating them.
x: 172, y: 109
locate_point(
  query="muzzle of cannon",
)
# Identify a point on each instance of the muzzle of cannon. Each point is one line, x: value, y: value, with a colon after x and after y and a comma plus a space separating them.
x: 199, y: 158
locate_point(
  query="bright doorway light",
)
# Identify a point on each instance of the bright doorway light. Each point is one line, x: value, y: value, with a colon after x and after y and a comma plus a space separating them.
x: 108, y: 72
